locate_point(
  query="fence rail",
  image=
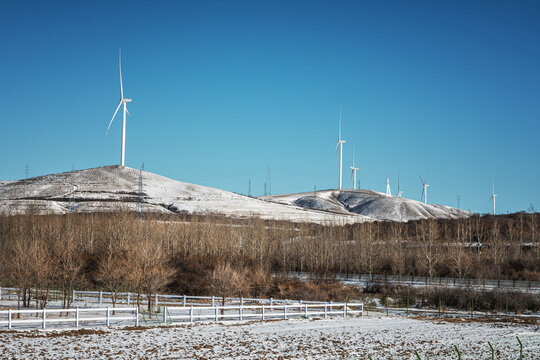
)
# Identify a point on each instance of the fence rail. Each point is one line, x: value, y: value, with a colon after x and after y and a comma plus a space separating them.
x: 427, y: 281
x: 54, y: 316
x: 128, y: 298
x: 169, y: 308
x: 260, y: 312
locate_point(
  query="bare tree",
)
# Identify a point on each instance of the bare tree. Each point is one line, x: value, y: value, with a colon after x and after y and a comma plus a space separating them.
x: 427, y: 235
x: 112, y: 272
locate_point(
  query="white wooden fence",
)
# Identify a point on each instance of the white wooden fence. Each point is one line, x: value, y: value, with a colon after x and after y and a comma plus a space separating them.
x: 55, y: 316
x: 171, y: 308
x: 103, y: 297
x: 259, y: 312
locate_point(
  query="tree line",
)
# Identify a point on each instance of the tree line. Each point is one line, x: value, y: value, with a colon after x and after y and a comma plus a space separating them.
x: 221, y: 256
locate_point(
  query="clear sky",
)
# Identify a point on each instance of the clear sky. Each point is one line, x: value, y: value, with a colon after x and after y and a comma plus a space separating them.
x: 222, y: 89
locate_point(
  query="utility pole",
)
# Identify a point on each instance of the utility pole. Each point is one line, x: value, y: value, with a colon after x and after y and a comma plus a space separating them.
x: 268, y: 181
x: 140, y: 194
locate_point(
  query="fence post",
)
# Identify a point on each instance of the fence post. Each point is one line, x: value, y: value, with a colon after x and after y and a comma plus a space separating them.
x: 77, y: 317
x: 157, y: 301
x: 191, y: 314
x: 0, y: 293
x: 325, y: 310
x: 183, y: 300
x: 100, y: 296
x: 344, y: 310
x: 128, y: 295
x: 136, y: 316
x: 285, y: 311
x: 108, y: 317
x: 215, y: 313
x: 407, y: 306
x: 213, y: 301
x: 240, y: 311
x: 43, y: 326
x: 73, y: 295
x: 331, y: 306
x: 164, y: 314
x: 9, y: 319
x: 271, y: 304
x: 242, y: 301
x: 262, y: 313
x: 305, y: 311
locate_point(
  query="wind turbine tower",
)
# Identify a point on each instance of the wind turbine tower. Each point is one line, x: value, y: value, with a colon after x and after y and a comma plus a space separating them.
x: 493, y: 196
x: 424, y: 189
x: 340, y: 146
x: 388, y: 192
x: 353, y: 170
x: 399, y: 192
x: 123, y: 101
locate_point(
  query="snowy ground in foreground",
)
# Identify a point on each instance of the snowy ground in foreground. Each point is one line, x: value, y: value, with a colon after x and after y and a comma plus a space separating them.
x: 355, y: 338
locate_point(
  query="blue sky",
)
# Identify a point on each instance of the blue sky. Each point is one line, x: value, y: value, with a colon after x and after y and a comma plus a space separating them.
x: 221, y: 90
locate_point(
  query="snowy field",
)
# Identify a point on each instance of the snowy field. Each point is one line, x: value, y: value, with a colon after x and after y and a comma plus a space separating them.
x: 337, y: 338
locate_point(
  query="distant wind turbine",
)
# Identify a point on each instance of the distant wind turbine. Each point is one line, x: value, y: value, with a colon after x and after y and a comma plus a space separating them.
x: 353, y: 169
x: 399, y: 192
x: 493, y: 196
x: 122, y: 101
x: 424, y: 189
x: 340, y: 146
x: 388, y: 191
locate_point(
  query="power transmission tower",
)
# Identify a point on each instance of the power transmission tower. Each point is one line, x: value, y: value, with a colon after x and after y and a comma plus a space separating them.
x: 26, y: 171
x: 265, y: 193
x: 388, y: 192
x: 459, y: 201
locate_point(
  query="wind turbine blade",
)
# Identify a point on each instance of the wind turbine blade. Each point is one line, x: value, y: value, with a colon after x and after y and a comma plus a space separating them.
x: 120, y: 67
x: 421, y: 179
x: 128, y: 111
x: 340, y: 122
x: 113, y: 118
x: 337, y: 147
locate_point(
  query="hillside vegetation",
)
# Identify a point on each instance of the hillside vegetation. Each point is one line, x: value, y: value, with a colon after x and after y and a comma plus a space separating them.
x: 225, y: 257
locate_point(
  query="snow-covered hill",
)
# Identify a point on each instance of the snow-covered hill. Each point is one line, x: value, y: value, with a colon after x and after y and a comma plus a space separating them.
x: 114, y: 188
x: 372, y: 204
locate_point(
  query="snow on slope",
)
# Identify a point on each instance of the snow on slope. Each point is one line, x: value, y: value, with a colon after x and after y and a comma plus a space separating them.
x: 114, y: 188
x: 369, y: 203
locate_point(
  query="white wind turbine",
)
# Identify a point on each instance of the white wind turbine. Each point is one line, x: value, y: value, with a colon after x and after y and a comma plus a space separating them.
x: 399, y: 192
x: 353, y: 170
x: 493, y: 196
x: 424, y: 189
x: 122, y: 101
x: 340, y: 146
